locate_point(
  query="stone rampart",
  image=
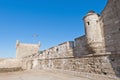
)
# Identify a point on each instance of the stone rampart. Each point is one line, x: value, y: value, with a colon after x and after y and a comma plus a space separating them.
x: 110, y: 18
x: 8, y: 65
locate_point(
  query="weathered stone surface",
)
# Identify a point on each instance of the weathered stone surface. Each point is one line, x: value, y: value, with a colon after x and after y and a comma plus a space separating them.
x: 111, y: 21
x: 10, y: 65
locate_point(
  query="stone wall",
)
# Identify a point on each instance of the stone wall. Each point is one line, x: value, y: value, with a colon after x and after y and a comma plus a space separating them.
x: 110, y: 17
x: 103, y: 64
x: 80, y: 46
x: 95, y: 64
x: 10, y: 64
x: 60, y: 51
x: 64, y: 50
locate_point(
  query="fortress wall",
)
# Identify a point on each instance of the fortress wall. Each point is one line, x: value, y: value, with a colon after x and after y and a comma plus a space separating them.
x: 99, y: 64
x: 7, y: 65
x: 64, y: 50
x: 52, y: 59
x: 110, y: 17
x: 80, y: 46
x: 60, y: 51
x: 10, y: 63
x: 111, y: 26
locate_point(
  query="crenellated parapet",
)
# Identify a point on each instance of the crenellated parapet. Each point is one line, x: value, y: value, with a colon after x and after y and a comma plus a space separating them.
x: 60, y: 51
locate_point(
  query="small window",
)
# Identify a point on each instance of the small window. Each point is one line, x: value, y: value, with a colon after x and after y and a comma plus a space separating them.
x: 57, y: 49
x: 97, y: 21
x: 88, y: 23
x: 119, y: 29
x: 48, y: 53
x: 104, y: 73
x: 112, y: 59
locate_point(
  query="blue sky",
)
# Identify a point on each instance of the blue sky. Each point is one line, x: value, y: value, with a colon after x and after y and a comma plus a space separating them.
x: 54, y: 21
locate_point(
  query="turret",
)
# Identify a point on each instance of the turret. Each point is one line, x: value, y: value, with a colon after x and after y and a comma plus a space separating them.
x: 39, y: 44
x: 17, y: 43
x: 93, y: 32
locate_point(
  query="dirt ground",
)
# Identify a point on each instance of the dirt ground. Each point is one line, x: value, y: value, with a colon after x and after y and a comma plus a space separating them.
x: 37, y: 75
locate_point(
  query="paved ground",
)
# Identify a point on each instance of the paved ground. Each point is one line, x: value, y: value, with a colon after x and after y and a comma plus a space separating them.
x: 37, y: 75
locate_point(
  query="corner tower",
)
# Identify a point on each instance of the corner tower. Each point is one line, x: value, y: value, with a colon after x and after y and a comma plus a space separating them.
x: 93, y: 32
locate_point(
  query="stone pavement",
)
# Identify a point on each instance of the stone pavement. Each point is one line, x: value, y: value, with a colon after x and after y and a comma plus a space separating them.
x: 37, y: 75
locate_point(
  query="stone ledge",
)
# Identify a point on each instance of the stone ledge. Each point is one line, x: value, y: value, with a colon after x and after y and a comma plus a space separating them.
x: 10, y: 69
x: 84, y: 56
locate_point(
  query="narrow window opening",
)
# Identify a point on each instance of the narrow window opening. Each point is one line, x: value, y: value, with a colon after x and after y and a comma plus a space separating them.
x: 119, y: 29
x: 112, y: 59
x: 57, y: 49
x: 48, y: 53
x: 97, y: 21
x: 88, y: 23
x: 104, y: 73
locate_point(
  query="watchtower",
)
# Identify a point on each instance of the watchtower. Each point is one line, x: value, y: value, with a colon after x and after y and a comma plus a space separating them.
x: 93, y: 32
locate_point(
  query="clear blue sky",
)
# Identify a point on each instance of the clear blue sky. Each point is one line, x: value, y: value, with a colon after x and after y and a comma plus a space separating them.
x: 55, y: 21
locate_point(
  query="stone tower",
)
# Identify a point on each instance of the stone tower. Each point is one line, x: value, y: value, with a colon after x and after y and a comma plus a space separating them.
x: 93, y: 32
x: 24, y: 50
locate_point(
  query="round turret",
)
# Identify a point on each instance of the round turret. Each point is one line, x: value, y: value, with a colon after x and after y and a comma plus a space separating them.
x: 17, y: 43
x: 93, y: 31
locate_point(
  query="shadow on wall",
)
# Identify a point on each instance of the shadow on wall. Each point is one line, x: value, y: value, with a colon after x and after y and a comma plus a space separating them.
x: 80, y: 48
x: 111, y: 27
